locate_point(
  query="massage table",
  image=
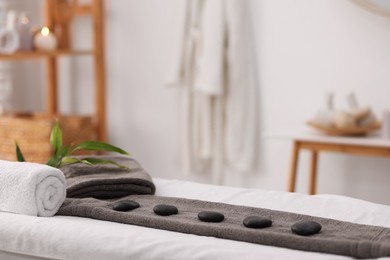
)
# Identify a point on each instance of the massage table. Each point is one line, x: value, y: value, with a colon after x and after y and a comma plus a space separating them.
x: 65, y: 237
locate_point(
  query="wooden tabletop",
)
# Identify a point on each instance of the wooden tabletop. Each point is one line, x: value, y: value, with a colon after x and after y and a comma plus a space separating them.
x: 312, y: 136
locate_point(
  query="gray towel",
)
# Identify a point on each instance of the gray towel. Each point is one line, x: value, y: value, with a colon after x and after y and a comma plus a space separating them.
x: 336, y: 237
x: 107, y: 181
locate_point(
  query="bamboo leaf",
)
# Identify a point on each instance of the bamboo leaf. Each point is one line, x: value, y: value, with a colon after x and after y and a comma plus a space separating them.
x: 72, y: 160
x: 65, y: 151
x: 19, y: 154
x: 94, y: 161
x: 52, y: 161
x: 98, y: 146
x: 91, y: 161
x: 56, y: 138
x: 61, y: 154
x: 56, y: 159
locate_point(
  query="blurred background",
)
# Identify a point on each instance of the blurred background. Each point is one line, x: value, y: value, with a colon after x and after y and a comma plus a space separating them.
x: 302, y: 49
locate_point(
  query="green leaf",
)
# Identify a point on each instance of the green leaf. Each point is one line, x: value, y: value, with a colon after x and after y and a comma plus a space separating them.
x: 94, y: 161
x: 56, y: 159
x: 91, y: 161
x: 53, y: 161
x: 56, y: 138
x: 65, y: 151
x: 19, y: 154
x: 98, y: 146
x: 61, y: 154
x: 72, y: 160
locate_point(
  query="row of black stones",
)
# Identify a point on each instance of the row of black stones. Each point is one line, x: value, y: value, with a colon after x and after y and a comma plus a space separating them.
x: 303, y: 228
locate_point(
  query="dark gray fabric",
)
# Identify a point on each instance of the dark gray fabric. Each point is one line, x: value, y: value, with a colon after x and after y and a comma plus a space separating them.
x: 336, y: 237
x: 107, y: 181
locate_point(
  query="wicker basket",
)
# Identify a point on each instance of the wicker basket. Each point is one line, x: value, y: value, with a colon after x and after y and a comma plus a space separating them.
x: 32, y: 132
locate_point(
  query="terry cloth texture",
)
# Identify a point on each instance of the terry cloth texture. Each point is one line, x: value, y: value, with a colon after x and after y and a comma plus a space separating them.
x: 336, y: 237
x: 31, y: 188
x: 107, y: 181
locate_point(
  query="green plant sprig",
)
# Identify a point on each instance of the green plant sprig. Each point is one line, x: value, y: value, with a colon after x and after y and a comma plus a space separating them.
x: 62, y: 154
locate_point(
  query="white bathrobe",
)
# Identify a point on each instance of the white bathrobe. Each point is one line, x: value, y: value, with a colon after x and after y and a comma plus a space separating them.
x: 215, y: 71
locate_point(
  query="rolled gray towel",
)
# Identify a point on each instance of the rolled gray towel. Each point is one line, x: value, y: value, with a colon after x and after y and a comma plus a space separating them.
x: 107, y: 181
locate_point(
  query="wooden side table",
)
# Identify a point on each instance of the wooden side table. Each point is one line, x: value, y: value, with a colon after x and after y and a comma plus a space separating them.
x: 368, y: 146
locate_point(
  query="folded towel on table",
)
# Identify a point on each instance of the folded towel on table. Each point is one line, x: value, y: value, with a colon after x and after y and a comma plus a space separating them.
x: 31, y: 188
x: 107, y: 181
x: 335, y: 237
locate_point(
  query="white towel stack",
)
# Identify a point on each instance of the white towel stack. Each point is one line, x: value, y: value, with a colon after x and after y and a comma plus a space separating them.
x: 31, y: 188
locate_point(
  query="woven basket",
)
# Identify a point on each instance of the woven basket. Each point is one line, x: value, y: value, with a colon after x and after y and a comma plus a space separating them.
x: 32, y: 133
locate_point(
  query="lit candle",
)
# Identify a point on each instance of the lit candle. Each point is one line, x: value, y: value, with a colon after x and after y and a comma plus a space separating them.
x: 25, y: 34
x: 45, y: 40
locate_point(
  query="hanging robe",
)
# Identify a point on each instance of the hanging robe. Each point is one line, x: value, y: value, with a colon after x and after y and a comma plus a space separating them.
x: 214, y: 70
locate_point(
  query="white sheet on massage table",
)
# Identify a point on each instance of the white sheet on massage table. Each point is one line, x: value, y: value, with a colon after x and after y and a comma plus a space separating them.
x: 62, y: 237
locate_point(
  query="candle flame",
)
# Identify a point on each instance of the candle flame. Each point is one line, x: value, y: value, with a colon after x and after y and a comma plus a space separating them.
x: 45, y: 31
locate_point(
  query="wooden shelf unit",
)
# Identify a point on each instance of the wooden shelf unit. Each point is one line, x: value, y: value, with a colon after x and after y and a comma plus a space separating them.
x: 40, y: 54
x: 59, y: 15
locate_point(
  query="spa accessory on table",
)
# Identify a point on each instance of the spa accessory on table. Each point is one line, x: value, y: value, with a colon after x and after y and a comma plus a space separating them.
x: 386, y: 124
x: 324, y: 116
x: 107, y: 181
x: 283, y: 229
x: 355, y: 121
x: 9, y: 36
x: 31, y: 188
x: 25, y: 33
x: 45, y: 40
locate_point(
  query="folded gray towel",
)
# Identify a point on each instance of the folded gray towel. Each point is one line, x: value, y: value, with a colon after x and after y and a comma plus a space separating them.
x: 107, y: 181
x: 336, y: 237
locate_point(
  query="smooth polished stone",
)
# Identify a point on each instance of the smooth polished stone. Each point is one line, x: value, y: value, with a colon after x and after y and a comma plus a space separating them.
x: 306, y: 228
x: 257, y: 222
x: 211, y: 216
x: 165, y: 210
x: 125, y: 205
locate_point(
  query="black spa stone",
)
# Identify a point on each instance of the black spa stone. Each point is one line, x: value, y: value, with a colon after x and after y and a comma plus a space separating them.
x: 125, y: 205
x: 211, y: 216
x: 257, y: 222
x: 165, y: 210
x: 306, y: 228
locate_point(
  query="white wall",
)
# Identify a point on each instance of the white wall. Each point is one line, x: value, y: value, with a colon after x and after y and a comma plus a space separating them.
x: 306, y: 48
x: 303, y: 48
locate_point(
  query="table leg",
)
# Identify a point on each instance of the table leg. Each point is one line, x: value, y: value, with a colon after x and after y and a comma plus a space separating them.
x: 313, y: 172
x: 294, y: 166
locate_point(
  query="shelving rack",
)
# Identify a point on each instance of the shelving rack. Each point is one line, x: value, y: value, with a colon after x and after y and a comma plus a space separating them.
x: 32, y: 131
x: 59, y: 14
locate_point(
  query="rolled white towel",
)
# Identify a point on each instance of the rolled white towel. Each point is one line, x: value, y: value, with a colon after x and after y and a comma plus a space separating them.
x: 31, y: 188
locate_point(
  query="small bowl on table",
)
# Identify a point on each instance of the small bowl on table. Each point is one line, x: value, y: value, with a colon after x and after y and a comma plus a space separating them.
x: 351, y: 131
